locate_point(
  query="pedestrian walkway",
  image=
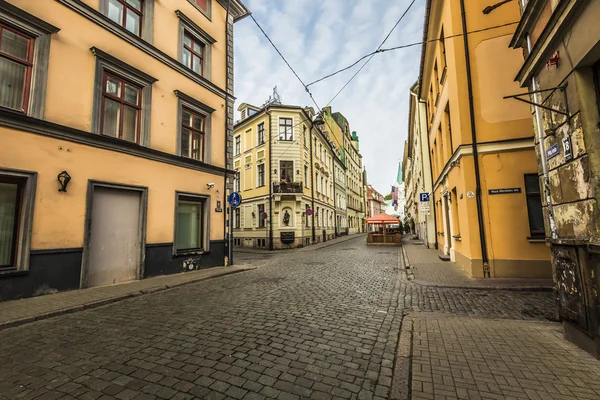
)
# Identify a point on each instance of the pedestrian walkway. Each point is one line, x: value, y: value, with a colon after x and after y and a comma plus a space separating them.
x: 479, y: 358
x: 17, y: 312
x: 427, y: 269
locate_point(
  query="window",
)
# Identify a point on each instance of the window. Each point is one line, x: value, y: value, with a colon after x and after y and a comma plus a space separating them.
x: 16, y: 64
x: 24, y: 55
x: 191, y: 223
x: 127, y: 13
x: 261, y: 175
x: 238, y: 145
x: 195, y: 46
x: 305, y: 136
x: 317, y: 180
x: 236, y: 219
x: 286, y: 129
x: 236, y: 182
x: 122, y: 100
x: 306, y: 216
x: 194, y: 130
x: 193, y: 54
x: 16, y: 206
x: 305, y: 176
x: 534, y: 205
x: 121, y: 106
x: 192, y: 135
x: 287, y: 171
x: 204, y: 6
x: 261, y: 220
x: 261, y: 133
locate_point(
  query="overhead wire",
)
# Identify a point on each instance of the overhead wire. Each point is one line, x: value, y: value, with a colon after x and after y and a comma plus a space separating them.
x: 373, y: 55
x: 404, y: 46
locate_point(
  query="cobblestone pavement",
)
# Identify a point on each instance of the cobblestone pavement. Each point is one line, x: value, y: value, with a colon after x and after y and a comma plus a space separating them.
x: 474, y: 358
x: 317, y: 324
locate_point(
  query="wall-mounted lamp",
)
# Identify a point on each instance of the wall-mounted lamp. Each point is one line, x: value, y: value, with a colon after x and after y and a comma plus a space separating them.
x: 491, y: 8
x: 63, y: 178
x: 253, y: 214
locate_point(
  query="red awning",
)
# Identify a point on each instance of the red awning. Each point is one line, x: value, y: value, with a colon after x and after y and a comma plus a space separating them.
x: 383, y: 219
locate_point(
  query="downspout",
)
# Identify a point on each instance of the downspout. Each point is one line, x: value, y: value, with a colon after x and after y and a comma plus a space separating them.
x: 484, y: 254
x: 334, y: 205
x: 270, y: 186
x: 228, y: 237
x: 312, y: 185
x: 542, y: 149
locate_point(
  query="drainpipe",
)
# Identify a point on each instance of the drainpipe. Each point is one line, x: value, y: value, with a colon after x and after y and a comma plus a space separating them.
x: 542, y: 148
x: 312, y: 184
x: 227, y: 237
x: 482, y: 241
x: 270, y: 186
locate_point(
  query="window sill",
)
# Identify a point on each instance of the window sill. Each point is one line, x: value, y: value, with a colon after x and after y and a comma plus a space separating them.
x: 536, y: 239
x: 10, y: 272
x: 198, y: 252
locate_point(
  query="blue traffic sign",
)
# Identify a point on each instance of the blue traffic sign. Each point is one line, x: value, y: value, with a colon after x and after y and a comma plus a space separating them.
x: 424, y: 196
x: 234, y: 199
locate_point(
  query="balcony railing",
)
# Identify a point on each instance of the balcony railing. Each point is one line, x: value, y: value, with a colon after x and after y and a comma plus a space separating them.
x: 287, y: 187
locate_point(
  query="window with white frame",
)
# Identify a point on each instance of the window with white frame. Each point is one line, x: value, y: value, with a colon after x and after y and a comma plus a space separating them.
x: 261, y: 133
x: 238, y: 145
x: 261, y: 175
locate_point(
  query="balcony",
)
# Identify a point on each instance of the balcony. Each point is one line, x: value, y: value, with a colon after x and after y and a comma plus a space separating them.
x: 287, y: 187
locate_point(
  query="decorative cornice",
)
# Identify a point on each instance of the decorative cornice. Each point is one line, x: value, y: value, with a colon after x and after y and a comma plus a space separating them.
x: 560, y: 22
x: 236, y: 8
x: 98, y: 18
x: 197, y: 30
x: 189, y: 99
x: 19, y: 121
x: 123, y: 65
x: 483, y: 148
x: 531, y: 13
x: 32, y: 20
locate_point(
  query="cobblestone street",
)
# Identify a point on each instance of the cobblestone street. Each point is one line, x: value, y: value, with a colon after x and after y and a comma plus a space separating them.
x: 320, y: 324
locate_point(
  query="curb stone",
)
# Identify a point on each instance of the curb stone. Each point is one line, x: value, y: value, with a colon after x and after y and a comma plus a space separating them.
x: 103, y: 302
x: 401, y: 381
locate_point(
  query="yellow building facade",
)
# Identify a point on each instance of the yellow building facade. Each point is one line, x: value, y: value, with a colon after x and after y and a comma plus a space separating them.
x: 484, y: 171
x: 114, y: 139
x: 284, y: 172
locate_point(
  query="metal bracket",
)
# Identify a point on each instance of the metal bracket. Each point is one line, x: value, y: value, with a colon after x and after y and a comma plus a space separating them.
x: 561, y: 88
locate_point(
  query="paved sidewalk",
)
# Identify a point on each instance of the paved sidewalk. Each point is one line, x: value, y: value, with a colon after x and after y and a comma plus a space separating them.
x: 478, y: 358
x: 17, y: 312
x: 427, y: 269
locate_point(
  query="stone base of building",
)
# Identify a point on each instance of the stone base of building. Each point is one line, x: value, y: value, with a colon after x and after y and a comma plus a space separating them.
x: 58, y: 270
x: 581, y: 339
x: 536, y: 269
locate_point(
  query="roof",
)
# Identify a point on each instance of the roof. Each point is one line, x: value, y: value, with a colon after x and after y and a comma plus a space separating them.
x: 237, y: 9
x: 383, y: 219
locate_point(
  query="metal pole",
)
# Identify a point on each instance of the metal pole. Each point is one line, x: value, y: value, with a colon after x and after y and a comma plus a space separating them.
x: 230, y: 235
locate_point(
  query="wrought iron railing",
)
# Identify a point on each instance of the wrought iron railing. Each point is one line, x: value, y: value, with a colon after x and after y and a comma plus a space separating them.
x: 287, y: 187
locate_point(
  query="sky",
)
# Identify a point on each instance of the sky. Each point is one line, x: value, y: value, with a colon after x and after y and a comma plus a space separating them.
x: 318, y: 37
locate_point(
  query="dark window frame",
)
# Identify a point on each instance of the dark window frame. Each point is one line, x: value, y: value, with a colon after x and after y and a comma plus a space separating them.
x: 127, y: 6
x: 193, y: 53
x: 122, y: 103
x: 261, y: 134
x: 200, y: 133
x: 237, y: 145
x: 260, y: 182
x: 21, y: 240
x: 204, y: 229
x: 596, y: 73
x: 288, y: 129
x: 28, y: 63
x: 535, y: 233
x: 236, y: 217
x: 261, y: 221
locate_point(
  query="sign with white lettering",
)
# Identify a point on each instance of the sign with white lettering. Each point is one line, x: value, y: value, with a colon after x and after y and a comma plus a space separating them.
x: 424, y: 197
x: 567, y: 148
x: 552, y: 151
x: 504, y: 191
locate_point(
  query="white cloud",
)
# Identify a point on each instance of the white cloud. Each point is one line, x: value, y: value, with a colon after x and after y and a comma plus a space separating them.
x: 319, y: 37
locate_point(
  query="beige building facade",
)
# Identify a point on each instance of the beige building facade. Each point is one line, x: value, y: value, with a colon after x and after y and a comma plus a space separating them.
x: 114, y: 137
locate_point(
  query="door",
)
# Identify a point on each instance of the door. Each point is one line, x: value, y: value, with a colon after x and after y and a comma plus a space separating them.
x: 115, y: 236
